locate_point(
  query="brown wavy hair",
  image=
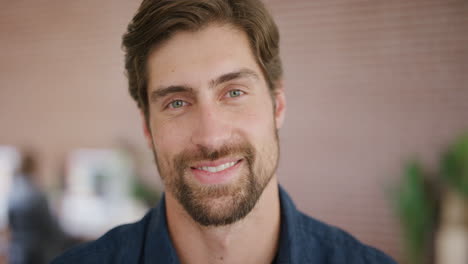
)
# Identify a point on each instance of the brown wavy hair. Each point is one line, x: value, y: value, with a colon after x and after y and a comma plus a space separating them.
x: 157, y: 20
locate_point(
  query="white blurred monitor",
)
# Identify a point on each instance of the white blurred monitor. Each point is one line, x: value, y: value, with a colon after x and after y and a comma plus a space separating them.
x: 98, y: 191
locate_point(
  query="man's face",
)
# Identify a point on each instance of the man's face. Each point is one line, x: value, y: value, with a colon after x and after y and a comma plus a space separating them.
x: 212, y: 123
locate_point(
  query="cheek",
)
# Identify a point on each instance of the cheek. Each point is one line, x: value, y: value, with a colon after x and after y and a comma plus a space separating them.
x: 168, y: 139
x: 259, y: 127
x: 259, y: 117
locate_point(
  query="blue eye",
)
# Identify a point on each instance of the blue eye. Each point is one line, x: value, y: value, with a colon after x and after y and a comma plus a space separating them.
x: 176, y: 104
x: 235, y: 93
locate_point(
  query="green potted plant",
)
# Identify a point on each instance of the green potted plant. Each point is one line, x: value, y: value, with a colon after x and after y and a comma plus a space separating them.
x: 416, y: 208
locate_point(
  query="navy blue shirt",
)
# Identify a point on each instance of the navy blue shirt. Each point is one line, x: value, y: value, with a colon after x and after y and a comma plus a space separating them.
x: 302, y: 240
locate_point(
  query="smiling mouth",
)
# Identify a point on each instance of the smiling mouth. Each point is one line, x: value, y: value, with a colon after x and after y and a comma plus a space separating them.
x: 214, y: 169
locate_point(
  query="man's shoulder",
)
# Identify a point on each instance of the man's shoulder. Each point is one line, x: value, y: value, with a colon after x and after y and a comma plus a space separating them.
x: 334, y: 244
x: 122, y: 244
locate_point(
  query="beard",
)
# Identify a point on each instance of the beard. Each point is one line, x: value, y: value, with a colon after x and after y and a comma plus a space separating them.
x: 220, y: 204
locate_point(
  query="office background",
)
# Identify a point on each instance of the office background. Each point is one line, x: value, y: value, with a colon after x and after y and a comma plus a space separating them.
x: 369, y: 85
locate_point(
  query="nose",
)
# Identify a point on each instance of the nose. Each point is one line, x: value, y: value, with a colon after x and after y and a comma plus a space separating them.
x: 212, y: 128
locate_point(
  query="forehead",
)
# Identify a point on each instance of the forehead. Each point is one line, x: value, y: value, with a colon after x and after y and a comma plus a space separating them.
x: 195, y: 57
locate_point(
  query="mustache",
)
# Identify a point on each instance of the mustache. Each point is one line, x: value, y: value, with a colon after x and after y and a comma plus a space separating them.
x: 202, y: 153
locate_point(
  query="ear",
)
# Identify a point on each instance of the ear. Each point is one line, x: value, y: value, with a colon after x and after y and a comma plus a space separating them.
x: 146, y: 131
x: 280, y: 104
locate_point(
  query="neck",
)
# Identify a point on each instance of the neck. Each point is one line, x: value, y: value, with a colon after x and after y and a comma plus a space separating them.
x: 253, y: 239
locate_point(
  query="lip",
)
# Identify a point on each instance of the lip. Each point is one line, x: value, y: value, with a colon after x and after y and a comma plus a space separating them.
x: 220, y: 177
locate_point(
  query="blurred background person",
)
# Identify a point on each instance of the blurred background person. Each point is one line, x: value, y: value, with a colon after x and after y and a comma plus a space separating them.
x: 35, y: 234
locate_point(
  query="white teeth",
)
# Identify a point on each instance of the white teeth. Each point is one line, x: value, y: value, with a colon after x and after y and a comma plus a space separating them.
x: 218, y: 168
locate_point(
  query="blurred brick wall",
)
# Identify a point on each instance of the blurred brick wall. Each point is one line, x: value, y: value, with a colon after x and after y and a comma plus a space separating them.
x: 370, y: 84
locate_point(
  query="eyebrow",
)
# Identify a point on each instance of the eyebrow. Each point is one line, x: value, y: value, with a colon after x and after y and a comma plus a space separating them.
x: 242, y: 73
x: 162, y: 92
x: 239, y: 74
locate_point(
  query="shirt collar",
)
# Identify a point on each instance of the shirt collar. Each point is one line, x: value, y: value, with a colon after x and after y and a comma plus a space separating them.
x: 287, y: 249
x: 158, y: 244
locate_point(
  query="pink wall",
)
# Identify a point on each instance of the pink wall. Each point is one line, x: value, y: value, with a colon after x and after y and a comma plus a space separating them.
x: 369, y: 84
